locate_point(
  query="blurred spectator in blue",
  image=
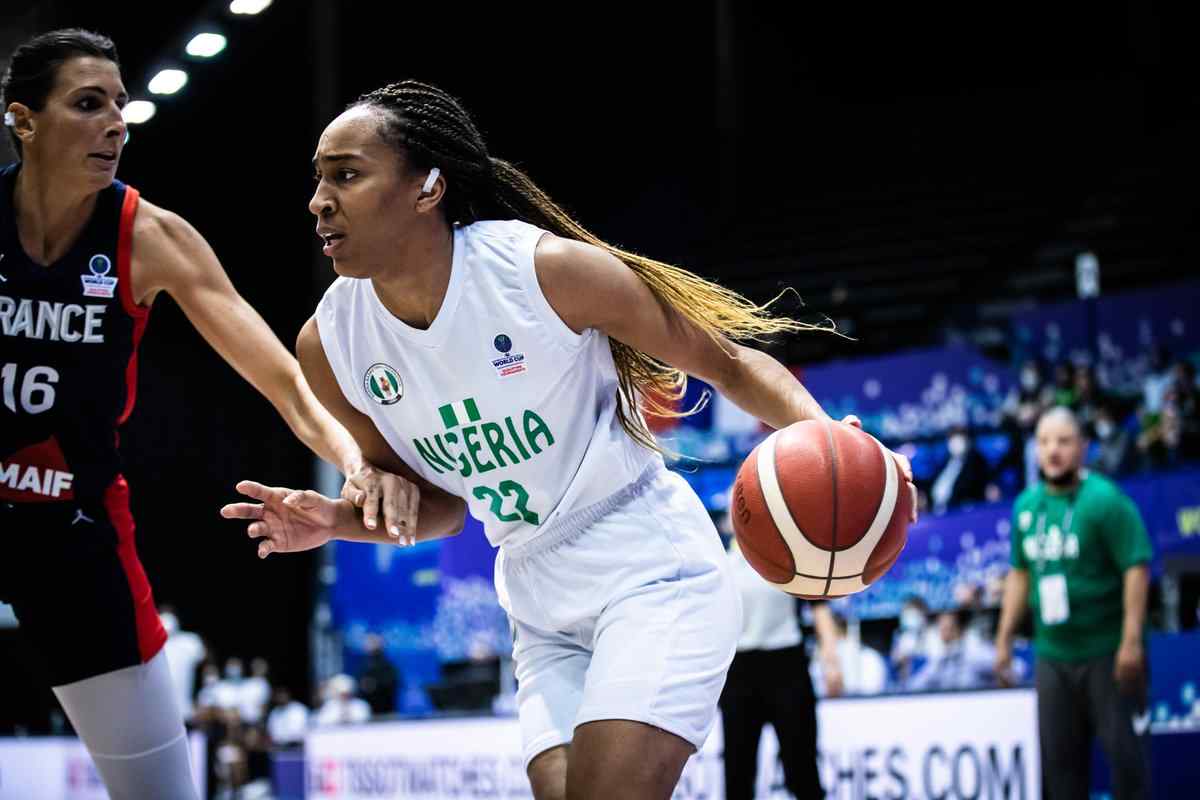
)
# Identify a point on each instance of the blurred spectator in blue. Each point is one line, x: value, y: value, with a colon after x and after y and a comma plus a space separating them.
x: 864, y: 670
x: 1114, y: 452
x: 966, y: 662
x: 379, y: 682
x: 916, y: 642
x: 965, y: 478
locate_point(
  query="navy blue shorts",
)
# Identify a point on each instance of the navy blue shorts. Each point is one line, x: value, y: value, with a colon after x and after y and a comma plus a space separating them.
x: 72, y: 575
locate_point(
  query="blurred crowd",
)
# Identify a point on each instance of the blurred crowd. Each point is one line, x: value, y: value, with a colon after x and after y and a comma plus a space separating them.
x: 1133, y: 426
x: 246, y: 716
x: 924, y: 650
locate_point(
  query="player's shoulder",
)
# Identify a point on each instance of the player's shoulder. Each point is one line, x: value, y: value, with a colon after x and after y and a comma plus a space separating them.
x: 153, y: 219
x: 500, y: 230
x: 340, y: 290
x: 158, y: 231
x: 333, y: 318
x: 1102, y: 489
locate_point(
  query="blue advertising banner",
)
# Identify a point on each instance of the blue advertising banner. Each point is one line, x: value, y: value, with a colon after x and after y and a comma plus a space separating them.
x: 1127, y: 327
x: 914, y: 394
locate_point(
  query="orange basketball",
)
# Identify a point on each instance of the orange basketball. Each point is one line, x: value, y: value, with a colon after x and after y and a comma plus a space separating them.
x: 820, y: 509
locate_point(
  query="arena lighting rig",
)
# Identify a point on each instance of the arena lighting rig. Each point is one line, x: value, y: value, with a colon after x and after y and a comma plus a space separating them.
x: 206, y: 43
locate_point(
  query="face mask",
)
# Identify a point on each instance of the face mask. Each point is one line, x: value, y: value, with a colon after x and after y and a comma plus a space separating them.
x: 1029, y: 380
x: 911, y: 619
x: 1104, y: 428
x: 957, y: 445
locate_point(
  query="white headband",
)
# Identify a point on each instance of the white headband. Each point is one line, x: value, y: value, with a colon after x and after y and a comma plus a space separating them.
x: 9, y: 119
x: 433, y: 176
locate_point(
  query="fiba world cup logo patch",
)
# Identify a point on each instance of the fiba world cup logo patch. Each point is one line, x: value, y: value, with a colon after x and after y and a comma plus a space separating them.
x: 383, y: 384
x: 509, y: 363
x: 99, y: 284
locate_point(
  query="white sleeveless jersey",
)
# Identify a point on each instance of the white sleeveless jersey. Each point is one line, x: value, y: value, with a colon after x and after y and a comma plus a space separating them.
x: 498, y: 401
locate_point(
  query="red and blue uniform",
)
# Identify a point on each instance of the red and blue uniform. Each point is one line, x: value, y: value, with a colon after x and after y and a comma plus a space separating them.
x: 69, y: 334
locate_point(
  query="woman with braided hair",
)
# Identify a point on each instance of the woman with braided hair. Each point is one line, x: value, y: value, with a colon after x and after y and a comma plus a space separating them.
x: 488, y: 348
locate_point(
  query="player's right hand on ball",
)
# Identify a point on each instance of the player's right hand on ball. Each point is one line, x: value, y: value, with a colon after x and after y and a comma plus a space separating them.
x: 289, y: 521
x: 371, y: 488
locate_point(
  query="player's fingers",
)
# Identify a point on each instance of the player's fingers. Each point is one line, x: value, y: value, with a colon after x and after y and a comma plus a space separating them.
x: 266, y: 548
x: 914, y: 512
x: 393, y: 505
x: 905, y: 466
x: 370, y: 506
x: 413, y: 493
x: 242, y: 511
x: 260, y: 491
x: 310, y: 498
x: 257, y: 530
x: 351, y: 492
x: 852, y: 420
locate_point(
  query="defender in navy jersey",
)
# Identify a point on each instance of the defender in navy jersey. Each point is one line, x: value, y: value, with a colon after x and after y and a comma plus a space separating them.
x: 81, y: 260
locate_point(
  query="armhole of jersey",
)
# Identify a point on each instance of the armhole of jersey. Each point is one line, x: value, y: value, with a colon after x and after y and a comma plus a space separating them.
x: 326, y: 326
x: 125, y: 255
x: 140, y: 314
x: 559, y: 331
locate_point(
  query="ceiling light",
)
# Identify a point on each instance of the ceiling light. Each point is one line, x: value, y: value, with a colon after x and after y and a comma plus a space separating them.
x: 206, y: 45
x: 248, y: 6
x: 168, y: 81
x: 138, y: 111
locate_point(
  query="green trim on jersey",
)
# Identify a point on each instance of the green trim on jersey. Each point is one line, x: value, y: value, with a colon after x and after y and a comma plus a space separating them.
x: 1091, y: 537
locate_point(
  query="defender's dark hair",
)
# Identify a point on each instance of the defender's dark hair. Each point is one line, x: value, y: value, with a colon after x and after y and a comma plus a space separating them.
x: 34, y: 65
x: 432, y: 129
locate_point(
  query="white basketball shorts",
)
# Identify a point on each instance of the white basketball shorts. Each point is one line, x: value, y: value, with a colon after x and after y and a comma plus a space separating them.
x: 622, y: 610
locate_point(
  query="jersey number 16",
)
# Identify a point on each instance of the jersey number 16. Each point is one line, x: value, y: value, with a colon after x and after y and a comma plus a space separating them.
x: 37, y: 388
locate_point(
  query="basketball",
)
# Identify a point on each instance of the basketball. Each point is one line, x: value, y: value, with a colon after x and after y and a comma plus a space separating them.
x: 820, y: 509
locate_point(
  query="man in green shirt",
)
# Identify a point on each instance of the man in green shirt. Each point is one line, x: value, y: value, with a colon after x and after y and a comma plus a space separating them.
x: 1080, y: 557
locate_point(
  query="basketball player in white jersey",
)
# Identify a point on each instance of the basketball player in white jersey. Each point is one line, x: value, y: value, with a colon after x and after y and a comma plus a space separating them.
x: 488, y: 348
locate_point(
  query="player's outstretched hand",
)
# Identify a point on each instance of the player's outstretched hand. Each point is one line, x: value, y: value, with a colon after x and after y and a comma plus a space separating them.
x: 905, y: 467
x: 289, y: 521
x: 370, y: 488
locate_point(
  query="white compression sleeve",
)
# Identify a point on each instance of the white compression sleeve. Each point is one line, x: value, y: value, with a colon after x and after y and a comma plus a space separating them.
x: 130, y: 722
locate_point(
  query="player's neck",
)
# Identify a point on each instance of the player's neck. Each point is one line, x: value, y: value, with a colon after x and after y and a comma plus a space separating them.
x: 415, y: 287
x: 51, y: 214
